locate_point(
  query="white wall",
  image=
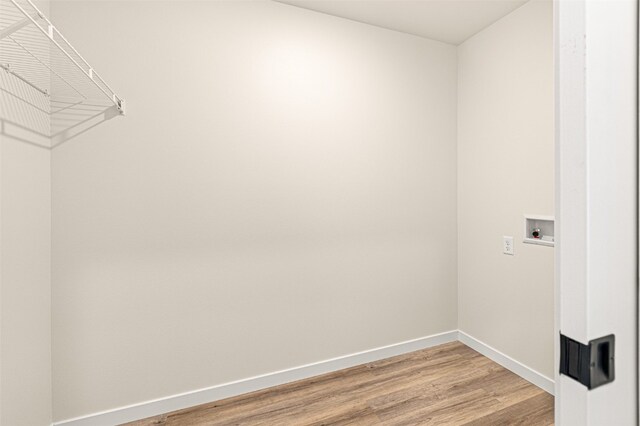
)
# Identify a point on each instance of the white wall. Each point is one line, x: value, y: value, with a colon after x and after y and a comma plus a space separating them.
x: 282, y: 191
x: 25, y: 260
x: 25, y: 280
x: 506, y: 170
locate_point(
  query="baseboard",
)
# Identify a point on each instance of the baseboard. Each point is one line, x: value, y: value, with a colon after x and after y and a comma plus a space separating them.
x: 507, y: 362
x: 226, y: 390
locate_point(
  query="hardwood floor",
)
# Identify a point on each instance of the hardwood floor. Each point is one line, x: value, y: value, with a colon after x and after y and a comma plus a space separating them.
x: 449, y: 384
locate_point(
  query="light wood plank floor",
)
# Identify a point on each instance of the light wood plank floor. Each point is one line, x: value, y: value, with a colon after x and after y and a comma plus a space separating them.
x: 449, y: 384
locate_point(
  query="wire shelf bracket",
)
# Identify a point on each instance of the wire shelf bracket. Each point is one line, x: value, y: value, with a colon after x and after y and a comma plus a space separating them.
x: 34, y: 51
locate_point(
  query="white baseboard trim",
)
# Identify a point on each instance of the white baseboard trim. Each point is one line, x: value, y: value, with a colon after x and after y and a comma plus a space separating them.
x: 226, y: 390
x: 507, y: 362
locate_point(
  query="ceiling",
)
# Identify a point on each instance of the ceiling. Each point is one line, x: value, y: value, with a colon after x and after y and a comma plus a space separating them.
x: 451, y: 21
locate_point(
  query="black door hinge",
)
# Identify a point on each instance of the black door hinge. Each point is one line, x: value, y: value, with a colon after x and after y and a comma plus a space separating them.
x: 592, y: 364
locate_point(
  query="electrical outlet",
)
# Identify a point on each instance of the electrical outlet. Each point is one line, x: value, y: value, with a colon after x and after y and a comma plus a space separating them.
x: 507, y: 245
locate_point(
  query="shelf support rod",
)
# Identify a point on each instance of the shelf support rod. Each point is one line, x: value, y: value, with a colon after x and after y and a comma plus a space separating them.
x: 50, y: 69
x: 8, y: 69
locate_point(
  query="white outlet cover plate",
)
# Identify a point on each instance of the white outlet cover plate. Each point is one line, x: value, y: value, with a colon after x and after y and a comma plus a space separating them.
x: 507, y: 245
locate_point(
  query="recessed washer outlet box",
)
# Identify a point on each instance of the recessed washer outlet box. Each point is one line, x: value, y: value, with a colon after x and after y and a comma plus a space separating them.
x: 539, y: 230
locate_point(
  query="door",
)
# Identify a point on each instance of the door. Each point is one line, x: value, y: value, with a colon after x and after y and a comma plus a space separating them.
x: 596, y: 200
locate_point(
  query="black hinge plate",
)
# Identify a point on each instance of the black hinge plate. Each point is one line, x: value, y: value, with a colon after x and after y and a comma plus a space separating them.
x: 592, y: 364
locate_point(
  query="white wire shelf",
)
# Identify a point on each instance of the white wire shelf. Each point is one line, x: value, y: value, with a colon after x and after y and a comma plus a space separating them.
x: 43, y: 74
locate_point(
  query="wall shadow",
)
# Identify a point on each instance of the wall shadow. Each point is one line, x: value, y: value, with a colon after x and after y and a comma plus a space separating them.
x: 39, y: 119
